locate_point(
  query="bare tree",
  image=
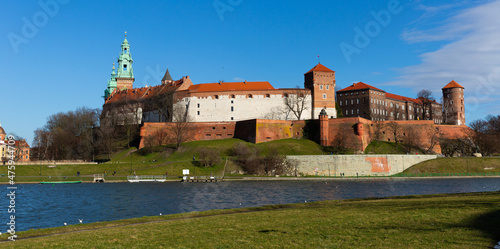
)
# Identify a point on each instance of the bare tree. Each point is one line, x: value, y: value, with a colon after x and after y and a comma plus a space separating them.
x: 395, y: 129
x: 427, y: 99
x: 296, y: 102
x: 378, y: 126
x: 397, y: 112
x: 181, y: 129
x: 433, y: 138
x: 411, y: 139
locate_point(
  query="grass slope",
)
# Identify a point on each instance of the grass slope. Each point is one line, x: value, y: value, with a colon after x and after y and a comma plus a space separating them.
x: 383, y: 147
x: 158, y: 163
x: 442, y: 221
x: 456, y: 165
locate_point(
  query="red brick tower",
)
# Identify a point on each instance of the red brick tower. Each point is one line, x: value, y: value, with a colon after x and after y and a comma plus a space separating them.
x: 321, y: 81
x: 453, y: 104
x: 323, y: 128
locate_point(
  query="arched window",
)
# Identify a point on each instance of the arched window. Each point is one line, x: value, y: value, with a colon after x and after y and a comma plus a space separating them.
x: 232, y: 96
x: 249, y: 96
x: 268, y: 96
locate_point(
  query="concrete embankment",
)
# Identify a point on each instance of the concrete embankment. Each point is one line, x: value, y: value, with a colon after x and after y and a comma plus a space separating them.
x: 356, y: 165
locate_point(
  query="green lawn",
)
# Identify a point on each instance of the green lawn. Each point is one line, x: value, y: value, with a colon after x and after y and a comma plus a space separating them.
x: 158, y: 163
x: 383, y: 147
x: 442, y: 221
x: 457, y: 165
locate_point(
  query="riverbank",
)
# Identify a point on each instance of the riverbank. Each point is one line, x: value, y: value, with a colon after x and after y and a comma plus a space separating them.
x: 437, y: 221
x: 285, y: 178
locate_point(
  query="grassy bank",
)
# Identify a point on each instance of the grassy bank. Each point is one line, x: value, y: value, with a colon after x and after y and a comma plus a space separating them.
x: 441, y: 221
x: 164, y: 160
x: 456, y: 165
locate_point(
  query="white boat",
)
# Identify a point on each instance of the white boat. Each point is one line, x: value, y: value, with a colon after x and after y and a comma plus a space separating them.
x: 160, y: 178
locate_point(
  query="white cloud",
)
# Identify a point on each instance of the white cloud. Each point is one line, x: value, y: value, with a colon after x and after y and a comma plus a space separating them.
x: 471, y: 56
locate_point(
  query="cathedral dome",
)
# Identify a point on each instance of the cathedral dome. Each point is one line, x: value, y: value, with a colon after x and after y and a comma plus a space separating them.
x: 2, y: 131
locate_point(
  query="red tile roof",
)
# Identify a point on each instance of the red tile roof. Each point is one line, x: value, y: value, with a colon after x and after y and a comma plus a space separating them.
x: 359, y: 86
x: 402, y: 98
x: 320, y: 68
x: 231, y: 86
x: 452, y: 84
x: 142, y: 93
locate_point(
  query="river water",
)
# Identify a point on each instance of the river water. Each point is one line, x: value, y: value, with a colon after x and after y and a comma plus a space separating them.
x: 42, y: 206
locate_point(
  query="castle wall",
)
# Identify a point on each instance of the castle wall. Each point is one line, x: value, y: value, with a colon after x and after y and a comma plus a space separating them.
x: 353, y: 165
x: 242, y: 105
x: 254, y: 131
x: 358, y: 133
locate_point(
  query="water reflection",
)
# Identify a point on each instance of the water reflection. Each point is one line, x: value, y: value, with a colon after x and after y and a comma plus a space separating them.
x: 40, y: 206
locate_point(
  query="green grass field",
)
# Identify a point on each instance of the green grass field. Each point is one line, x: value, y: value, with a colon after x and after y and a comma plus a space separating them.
x: 456, y: 165
x: 159, y: 163
x: 440, y: 221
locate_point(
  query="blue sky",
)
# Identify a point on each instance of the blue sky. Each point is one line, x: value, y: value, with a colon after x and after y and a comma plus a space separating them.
x: 56, y: 55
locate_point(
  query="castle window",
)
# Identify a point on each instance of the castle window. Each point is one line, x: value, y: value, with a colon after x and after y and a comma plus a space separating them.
x: 232, y: 108
x: 198, y: 112
x: 285, y: 95
x: 232, y: 97
x: 352, y: 101
x: 341, y: 95
x: 232, y: 118
x: 346, y: 112
x: 198, y: 105
x: 216, y: 96
x: 268, y: 96
x: 232, y: 101
x: 363, y: 92
x: 320, y: 87
x: 124, y: 67
x: 340, y: 103
x: 403, y: 107
x: 324, y: 95
x: 213, y: 127
x: 357, y: 111
x: 250, y: 96
x: 352, y: 111
x: 327, y: 87
x: 346, y: 103
x: 392, y: 114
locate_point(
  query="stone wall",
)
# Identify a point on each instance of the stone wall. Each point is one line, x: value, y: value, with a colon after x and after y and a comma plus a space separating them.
x: 352, y: 165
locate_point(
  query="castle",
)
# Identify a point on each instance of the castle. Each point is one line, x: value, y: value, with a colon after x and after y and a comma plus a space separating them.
x: 258, y: 112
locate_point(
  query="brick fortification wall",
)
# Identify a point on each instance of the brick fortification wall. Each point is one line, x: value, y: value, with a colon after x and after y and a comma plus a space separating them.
x: 352, y: 165
x: 353, y: 132
x: 358, y: 133
x: 254, y: 131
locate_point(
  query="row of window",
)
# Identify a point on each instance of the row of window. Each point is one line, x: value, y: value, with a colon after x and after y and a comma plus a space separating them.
x: 321, y: 87
x: 352, y: 93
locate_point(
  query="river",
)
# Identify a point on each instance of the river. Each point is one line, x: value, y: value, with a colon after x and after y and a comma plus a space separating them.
x: 42, y: 206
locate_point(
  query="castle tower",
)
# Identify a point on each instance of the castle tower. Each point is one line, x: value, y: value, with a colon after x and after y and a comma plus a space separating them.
x: 125, y: 78
x: 453, y: 104
x: 323, y: 128
x: 111, y: 84
x: 321, y: 81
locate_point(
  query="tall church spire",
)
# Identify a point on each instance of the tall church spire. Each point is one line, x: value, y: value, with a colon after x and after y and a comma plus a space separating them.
x: 125, y: 77
x: 125, y: 61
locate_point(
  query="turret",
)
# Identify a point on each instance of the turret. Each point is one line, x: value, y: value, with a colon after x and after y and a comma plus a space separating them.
x: 323, y: 127
x: 453, y: 104
x: 111, y: 84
